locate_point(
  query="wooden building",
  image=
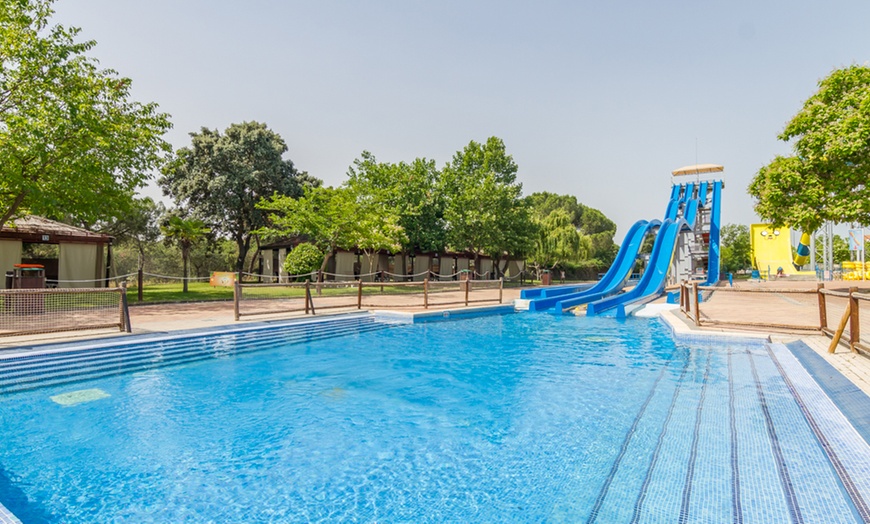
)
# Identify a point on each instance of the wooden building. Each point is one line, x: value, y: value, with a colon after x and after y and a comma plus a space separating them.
x: 68, y: 253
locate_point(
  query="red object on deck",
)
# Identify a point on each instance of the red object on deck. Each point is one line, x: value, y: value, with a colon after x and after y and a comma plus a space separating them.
x: 29, y: 266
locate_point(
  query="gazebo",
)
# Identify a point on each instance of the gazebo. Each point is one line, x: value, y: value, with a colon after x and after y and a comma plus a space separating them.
x: 83, y: 257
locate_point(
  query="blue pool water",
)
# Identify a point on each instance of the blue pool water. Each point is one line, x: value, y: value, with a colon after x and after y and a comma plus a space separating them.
x: 512, y: 418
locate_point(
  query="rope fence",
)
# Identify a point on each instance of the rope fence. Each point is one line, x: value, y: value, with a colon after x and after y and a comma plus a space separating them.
x: 309, y: 297
x: 835, y: 313
x: 34, y: 311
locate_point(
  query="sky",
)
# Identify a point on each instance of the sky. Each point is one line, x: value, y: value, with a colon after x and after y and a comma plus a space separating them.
x: 601, y: 100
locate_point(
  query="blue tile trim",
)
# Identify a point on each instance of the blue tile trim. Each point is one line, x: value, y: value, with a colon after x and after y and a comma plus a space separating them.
x: 690, y: 471
x: 853, y: 402
x: 848, y: 484
x: 781, y: 467
x: 638, y: 505
x: 736, y: 505
x: 603, y: 493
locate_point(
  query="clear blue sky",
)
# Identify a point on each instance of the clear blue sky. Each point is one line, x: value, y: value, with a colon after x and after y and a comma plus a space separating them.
x: 596, y: 99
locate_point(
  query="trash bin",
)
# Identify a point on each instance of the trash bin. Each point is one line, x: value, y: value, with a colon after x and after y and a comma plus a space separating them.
x: 9, y: 277
x: 28, y: 276
x: 545, y: 278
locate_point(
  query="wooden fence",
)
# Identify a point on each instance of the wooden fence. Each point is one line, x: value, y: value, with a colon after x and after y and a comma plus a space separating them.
x: 790, y: 310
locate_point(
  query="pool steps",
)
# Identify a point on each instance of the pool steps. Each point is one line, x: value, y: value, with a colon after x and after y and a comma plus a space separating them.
x: 24, y: 373
x: 746, y: 402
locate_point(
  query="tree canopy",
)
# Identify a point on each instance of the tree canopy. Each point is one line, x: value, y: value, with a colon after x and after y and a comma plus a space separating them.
x: 220, y: 179
x: 73, y: 142
x: 736, y: 248
x: 827, y: 176
x: 484, y: 209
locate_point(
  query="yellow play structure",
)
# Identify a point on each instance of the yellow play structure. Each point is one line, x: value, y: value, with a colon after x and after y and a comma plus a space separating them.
x: 772, y: 253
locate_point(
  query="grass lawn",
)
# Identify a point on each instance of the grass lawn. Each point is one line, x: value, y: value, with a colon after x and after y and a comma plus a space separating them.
x: 201, y: 291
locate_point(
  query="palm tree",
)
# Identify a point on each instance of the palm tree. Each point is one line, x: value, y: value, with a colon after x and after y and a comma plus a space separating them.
x: 186, y: 233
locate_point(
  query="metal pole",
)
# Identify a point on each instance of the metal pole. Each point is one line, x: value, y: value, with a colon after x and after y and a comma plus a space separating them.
x: 426, y: 293
x: 140, y: 280
x: 359, y: 294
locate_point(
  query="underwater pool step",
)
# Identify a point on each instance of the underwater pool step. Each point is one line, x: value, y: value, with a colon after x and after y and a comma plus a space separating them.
x: 37, y: 362
x: 113, y: 367
x: 6, y: 362
x: 161, y: 353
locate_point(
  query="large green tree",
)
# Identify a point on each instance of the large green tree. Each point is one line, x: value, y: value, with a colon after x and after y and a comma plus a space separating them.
x: 140, y: 226
x: 736, y: 253
x: 587, y: 220
x: 484, y: 209
x: 72, y: 140
x: 221, y: 177
x: 331, y: 218
x: 408, y: 191
x: 827, y: 176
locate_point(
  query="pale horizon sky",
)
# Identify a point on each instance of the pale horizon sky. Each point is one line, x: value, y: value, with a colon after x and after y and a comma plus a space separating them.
x: 598, y: 100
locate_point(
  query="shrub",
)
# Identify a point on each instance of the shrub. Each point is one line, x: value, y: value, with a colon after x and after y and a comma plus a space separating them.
x: 303, y: 259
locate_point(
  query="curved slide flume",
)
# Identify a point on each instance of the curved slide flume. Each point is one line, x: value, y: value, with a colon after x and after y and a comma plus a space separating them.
x: 618, y: 273
x: 612, y: 281
x: 655, y: 277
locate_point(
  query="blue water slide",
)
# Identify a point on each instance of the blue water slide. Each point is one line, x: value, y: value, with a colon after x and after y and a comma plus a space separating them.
x: 618, y: 273
x: 674, y: 202
x: 612, y: 281
x: 715, y: 221
x: 654, y: 278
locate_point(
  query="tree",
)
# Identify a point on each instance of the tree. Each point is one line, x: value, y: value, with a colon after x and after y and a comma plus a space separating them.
x: 826, y: 178
x: 332, y: 218
x: 185, y: 233
x: 221, y: 178
x: 558, y: 242
x: 407, y: 191
x: 139, y: 226
x: 484, y: 208
x: 736, y: 251
x: 72, y: 141
x: 589, y: 221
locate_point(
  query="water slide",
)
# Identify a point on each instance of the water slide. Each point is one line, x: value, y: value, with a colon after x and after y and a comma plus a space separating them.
x: 654, y: 278
x: 617, y: 275
x: 715, y: 225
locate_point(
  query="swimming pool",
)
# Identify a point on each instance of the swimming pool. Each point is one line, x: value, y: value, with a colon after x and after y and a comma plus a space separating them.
x: 504, y: 418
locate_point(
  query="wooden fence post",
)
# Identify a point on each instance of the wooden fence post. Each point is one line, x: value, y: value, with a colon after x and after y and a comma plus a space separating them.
x: 307, y: 293
x: 823, y: 307
x: 467, y: 287
x: 697, y: 303
x: 854, y: 326
x: 237, y: 296
x: 125, y: 310
x: 500, y: 289
x: 359, y: 294
x: 426, y: 293
x: 140, y: 280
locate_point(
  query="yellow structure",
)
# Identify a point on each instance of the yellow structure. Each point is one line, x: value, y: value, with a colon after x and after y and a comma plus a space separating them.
x: 771, y: 250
